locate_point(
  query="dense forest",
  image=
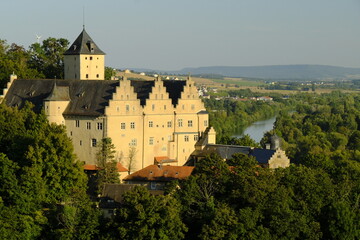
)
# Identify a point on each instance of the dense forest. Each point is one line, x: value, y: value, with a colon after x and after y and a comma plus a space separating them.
x: 228, y: 115
x: 43, y: 189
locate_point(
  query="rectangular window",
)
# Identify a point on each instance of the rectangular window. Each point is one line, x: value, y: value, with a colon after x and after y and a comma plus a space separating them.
x: 133, y: 142
x: 169, y: 124
x: 153, y: 107
x: 186, y: 138
x: 192, y: 106
x: 151, y: 141
x: 88, y: 125
x: 77, y: 123
x: 164, y: 107
x: 80, y: 143
x: 205, y: 123
x: 127, y: 108
x: 196, y: 137
x: 122, y: 125
x: 99, y: 126
x: 93, y: 142
x: 190, y: 123
x: 132, y: 125
x: 151, y: 124
x: 180, y: 123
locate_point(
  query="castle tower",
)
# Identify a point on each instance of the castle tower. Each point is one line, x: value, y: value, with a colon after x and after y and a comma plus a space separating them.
x: 56, y: 103
x: 84, y: 60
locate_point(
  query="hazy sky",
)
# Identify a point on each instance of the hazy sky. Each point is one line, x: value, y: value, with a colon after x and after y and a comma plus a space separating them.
x: 173, y: 34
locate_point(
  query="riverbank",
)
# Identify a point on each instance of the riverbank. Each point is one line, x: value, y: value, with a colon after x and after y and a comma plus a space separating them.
x: 257, y: 129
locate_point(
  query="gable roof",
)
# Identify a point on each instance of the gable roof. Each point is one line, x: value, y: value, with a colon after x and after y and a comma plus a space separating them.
x: 262, y: 156
x: 224, y: 151
x: 84, y: 45
x: 88, y: 97
x: 116, y: 191
x: 160, y: 173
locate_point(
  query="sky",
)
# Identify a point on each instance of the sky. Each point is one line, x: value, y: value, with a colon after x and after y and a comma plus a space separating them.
x: 173, y: 34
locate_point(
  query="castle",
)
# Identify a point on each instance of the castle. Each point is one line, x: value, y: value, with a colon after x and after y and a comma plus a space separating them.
x: 146, y: 120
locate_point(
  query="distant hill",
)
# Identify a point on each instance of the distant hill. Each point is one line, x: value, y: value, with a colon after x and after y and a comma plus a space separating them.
x: 279, y: 72
x: 275, y: 72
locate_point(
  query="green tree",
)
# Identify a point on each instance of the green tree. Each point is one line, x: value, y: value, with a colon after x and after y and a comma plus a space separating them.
x: 109, y: 72
x: 48, y: 57
x: 144, y: 216
x: 105, y: 156
x: 42, y: 173
x: 341, y: 221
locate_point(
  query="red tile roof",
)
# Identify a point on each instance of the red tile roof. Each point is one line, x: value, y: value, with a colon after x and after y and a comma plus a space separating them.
x: 90, y: 167
x: 160, y: 173
x: 121, y: 168
x: 163, y: 159
x: 93, y: 167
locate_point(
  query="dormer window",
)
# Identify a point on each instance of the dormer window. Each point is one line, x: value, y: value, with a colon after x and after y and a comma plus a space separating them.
x: 90, y: 46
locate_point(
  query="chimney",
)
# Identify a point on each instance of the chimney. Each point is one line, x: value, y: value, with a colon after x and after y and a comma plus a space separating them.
x: 267, y: 146
x: 12, y: 77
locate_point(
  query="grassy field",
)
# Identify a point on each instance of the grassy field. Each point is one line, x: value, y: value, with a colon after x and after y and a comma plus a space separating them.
x: 230, y: 83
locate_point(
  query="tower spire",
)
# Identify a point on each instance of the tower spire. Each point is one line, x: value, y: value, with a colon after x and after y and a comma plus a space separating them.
x: 83, y: 17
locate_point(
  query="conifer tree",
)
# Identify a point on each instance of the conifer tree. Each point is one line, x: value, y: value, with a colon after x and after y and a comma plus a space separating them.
x: 106, y: 162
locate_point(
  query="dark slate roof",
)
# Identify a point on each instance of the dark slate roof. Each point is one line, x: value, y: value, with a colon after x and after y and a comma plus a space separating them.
x: 262, y: 155
x: 88, y: 97
x: 225, y: 151
x: 84, y: 45
x: 59, y: 93
x: 174, y: 88
x: 203, y: 112
x: 142, y: 89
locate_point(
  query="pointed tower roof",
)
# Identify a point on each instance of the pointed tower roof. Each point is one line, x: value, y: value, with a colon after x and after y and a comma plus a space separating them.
x: 84, y: 45
x: 59, y: 93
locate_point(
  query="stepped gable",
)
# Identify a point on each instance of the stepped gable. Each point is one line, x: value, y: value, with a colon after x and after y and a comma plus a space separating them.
x: 143, y: 89
x: 88, y: 97
x: 84, y: 45
x: 174, y: 88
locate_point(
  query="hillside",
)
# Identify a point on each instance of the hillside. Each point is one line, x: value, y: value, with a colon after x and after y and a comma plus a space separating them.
x: 279, y: 71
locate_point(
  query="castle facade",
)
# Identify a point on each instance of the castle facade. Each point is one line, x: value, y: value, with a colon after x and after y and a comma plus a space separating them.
x: 146, y: 120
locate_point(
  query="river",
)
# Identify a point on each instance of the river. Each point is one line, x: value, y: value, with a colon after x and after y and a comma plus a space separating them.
x: 257, y: 129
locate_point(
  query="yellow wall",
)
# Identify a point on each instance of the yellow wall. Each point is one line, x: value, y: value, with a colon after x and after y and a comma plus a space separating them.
x: 84, y: 67
x: 279, y: 159
x: 155, y: 129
